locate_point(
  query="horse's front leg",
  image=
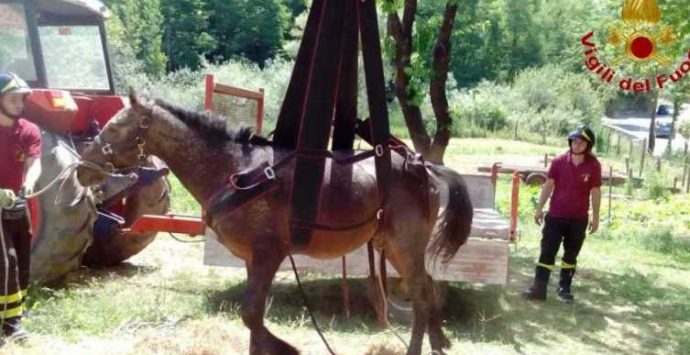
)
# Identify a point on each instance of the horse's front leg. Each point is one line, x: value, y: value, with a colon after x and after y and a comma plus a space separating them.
x: 265, y: 261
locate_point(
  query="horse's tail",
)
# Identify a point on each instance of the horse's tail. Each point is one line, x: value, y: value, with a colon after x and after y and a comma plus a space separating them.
x: 455, y: 223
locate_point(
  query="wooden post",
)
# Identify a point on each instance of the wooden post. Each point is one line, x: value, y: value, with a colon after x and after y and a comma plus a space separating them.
x: 618, y: 145
x: 515, y: 136
x: 630, y: 148
x: 685, y: 170
x: 610, y: 190
x: 644, y: 152
x: 546, y: 160
x: 608, y: 141
x: 687, y: 183
x: 627, y: 163
x: 675, y: 183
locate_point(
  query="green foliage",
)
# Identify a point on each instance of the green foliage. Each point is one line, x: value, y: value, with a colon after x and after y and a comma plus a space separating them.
x: 186, y: 35
x: 496, y: 39
x: 256, y: 31
x: 656, y: 185
x: 548, y: 101
x: 482, y: 107
x: 136, y: 29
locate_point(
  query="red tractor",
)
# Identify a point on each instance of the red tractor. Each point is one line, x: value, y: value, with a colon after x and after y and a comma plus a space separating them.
x: 59, y: 48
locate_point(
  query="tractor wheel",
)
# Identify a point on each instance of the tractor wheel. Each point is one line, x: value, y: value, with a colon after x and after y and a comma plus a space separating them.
x: 151, y: 199
x: 62, y: 231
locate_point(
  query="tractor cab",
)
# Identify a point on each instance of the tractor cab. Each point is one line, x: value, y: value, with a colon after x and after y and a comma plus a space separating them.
x: 56, y: 44
x: 59, y: 48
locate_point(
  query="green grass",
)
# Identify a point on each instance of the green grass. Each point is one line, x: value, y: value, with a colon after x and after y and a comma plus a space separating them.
x: 632, y: 291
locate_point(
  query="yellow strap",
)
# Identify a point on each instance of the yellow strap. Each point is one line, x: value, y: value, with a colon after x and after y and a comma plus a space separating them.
x: 15, y: 297
x: 12, y: 312
x: 584, y: 134
x: 546, y: 266
x: 565, y: 265
x: 10, y: 85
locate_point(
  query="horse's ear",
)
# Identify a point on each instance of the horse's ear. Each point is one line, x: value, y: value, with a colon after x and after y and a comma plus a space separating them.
x: 136, y: 101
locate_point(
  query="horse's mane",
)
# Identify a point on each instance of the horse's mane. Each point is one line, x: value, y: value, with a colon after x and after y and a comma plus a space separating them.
x: 213, y: 128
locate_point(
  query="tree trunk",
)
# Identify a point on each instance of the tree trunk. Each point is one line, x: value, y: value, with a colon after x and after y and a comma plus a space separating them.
x: 652, y: 124
x: 674, y: 120
x: 401, y: 32
x: 437, y: 86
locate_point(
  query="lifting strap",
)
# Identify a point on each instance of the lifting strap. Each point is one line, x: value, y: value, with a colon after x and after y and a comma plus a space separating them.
x: 323, y: 93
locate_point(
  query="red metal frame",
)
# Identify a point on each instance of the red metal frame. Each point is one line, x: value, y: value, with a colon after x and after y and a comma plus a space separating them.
x: 215, y: 88
x: 168, y: 223
x: 515, y: 194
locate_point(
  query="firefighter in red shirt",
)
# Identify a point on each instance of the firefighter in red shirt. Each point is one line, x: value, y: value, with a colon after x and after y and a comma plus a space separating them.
x: 573, y: 179
x: 20, y: 168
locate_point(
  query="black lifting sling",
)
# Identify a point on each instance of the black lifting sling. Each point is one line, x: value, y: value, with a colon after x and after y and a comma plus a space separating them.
x: 323, y: 93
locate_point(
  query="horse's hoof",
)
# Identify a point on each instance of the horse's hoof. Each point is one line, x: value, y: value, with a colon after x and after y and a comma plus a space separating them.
x: 279, y: 347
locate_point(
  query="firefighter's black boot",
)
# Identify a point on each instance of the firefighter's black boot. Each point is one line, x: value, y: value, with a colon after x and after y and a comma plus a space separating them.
x: 537, y: 292
x: 564, y: 291
x: 12, y: 330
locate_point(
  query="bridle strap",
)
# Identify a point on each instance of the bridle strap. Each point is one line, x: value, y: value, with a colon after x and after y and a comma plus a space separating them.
x: 108, y: 152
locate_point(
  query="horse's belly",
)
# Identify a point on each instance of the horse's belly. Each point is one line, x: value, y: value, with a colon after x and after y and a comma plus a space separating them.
x: 332, y: 244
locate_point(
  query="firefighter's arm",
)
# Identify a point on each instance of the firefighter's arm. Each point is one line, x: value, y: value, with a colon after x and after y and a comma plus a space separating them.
x: 32, y: 171
x: 546, y: 191
x: 595, y: 193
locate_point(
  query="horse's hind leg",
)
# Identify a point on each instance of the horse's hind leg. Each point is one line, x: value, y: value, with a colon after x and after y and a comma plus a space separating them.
x: 438, y: 340
x: 409, y: 260
x: 264, y: 264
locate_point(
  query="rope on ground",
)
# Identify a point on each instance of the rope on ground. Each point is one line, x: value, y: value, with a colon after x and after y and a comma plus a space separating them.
x: 185, y: 241
x: 306, y: 304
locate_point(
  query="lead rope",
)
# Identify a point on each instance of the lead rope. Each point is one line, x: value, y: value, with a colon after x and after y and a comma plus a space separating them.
x: 67, y: 172
x: 6, y: 262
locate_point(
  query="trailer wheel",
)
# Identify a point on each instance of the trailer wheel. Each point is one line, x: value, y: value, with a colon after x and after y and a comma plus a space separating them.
x: 400, y: 303
x: 535, y: 179
x: 151, y: 199
x: 62, y: 232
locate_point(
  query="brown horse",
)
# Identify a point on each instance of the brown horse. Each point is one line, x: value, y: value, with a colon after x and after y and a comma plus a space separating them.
x: 203, y: 152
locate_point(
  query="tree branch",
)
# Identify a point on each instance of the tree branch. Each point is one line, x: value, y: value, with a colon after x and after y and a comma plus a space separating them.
x: 437, y: 85
x: 409, y: 16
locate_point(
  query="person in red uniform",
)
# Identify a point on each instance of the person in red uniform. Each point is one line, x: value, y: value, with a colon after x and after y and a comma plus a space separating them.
x: 572, y: 180
x: 20, y: 167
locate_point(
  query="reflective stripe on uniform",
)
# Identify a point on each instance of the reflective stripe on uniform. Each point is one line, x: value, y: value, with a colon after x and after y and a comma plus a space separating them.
x: 546, y: 266
x: 15, y: 297
x: 13, y: 312
x: 565, y: 265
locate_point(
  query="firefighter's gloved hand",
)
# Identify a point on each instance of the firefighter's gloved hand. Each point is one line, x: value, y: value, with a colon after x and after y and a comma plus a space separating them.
x: 7, y: 198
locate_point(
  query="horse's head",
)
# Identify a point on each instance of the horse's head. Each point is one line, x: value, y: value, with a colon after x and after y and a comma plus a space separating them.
x: 120, y: 145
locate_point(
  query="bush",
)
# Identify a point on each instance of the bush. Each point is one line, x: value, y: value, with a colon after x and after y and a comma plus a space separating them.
x: 545, y: 101
x: 656, y: 185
